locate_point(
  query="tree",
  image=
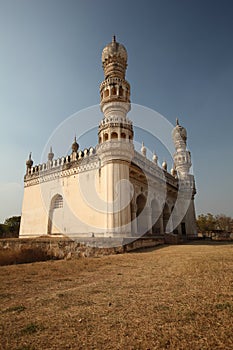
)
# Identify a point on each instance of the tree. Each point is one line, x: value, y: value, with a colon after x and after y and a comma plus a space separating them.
x: 206, y: 223
x: 13, y: 224
x: 224, y: 222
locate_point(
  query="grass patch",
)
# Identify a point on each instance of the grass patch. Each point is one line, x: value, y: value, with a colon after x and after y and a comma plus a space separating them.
x: 5, y: 295
x: 31, y: 328
x: 224, y: 306
x: 18, y: 308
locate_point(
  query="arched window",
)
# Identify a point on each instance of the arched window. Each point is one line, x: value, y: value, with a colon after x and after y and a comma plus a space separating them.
x: 55, y: 217
x: 114, y: 135
x: 106, y: 93
x: 142, y: 223
x: 123, y: 135
x: 113, y: 91
x: 155, y: 217
x: 166, y: 215
x: 58, y: 202
x: 105, y: 137
x: 120, y: 91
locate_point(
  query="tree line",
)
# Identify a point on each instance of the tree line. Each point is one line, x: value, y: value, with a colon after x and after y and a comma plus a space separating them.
x: 214, y: 223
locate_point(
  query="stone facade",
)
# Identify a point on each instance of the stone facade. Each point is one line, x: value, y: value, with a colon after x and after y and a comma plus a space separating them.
x: 110, y: 190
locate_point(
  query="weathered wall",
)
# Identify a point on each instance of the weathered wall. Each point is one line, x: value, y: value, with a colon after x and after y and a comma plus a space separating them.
x: 20, y: 250
x: 79, y: 214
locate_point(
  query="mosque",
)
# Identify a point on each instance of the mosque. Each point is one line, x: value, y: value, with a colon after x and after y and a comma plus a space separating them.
x: 111, y: 190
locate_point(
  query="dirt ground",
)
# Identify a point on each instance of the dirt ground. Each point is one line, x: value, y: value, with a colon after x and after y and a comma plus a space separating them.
x: 173, y: 297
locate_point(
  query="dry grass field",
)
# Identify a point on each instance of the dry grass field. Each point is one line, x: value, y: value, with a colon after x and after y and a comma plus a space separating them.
x: 173, y: 297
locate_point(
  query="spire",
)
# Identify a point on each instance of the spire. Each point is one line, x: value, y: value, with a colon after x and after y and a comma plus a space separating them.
x: 113, y: 38
x: 177, y: 121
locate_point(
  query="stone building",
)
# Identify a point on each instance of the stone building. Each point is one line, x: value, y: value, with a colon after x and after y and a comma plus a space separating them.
x: 111, y: 190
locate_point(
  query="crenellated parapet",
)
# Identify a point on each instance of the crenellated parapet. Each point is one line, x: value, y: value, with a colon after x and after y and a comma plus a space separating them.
x: 64, y: 166
x: 153, y: 170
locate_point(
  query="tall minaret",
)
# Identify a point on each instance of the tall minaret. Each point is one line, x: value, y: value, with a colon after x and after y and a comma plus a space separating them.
x: 115, y: 148
x: 115, y: 94
x: 187, y: 190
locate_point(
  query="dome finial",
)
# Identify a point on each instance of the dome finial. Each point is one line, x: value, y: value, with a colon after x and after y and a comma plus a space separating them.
x: 114, y: 38
x: 177, y: 121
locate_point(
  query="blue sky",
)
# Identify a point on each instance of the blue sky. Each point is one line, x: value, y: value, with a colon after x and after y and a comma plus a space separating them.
x: 180, y: 64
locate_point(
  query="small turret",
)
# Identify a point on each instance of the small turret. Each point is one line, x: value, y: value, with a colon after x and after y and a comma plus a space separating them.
x: 164, y: 165
x: 173, y: 171
x: 75, y: 145
x: 155, y: 158
x: 29, y: 162
x: 50, y: 154
x: 143, y: 150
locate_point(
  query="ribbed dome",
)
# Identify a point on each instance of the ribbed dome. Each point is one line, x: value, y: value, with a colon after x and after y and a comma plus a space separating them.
x: 29, y: 162
x: 114, y: 49
x: 75, y: 145
x: 179, y: 132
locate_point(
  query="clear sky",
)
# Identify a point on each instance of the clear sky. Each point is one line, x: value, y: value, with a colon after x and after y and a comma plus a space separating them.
x: 180, y: 64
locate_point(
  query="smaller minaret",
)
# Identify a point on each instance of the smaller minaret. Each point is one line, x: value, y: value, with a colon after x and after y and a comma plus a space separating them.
x: 182, y: 157
x: 187, y: 189
x: 29, y: 163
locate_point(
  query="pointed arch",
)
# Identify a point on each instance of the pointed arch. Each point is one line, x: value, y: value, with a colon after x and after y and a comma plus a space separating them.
x: 155, y: 216
x: 166, y: 215
x: 55, y: 214
x: 141, y: 217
